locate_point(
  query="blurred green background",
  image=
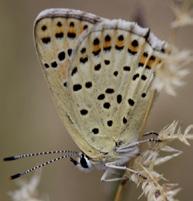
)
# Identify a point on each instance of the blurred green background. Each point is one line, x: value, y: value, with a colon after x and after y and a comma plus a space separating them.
x: 28, y: 119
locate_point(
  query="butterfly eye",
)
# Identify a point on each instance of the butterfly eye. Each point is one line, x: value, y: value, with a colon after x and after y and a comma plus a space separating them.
x: 84, y: 162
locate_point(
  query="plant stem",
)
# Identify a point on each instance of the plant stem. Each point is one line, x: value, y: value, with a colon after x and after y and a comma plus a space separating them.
x: 119, y: 192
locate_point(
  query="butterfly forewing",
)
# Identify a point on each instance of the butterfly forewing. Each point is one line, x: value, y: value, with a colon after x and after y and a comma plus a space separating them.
x: 110, y: 80
x: 56, y: 33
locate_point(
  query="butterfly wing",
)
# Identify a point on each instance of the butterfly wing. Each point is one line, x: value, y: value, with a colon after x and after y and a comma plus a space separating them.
x: 100, y: 73
x: 56, y: 33
x: 110, y: 79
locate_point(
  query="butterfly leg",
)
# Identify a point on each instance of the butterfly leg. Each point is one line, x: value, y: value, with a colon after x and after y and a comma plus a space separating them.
x: 132, y: 148
x: 115, y: 170
x: 113, y: 167
x: 111, y: 175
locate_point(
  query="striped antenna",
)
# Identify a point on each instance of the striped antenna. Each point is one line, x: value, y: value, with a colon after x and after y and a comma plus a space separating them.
x: 15, y: 176
x: 66, y: 154
x: 28, y: 155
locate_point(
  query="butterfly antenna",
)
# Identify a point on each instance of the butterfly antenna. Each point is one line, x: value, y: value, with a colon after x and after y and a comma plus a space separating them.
x: 43, y: 153
x: 15, y: 176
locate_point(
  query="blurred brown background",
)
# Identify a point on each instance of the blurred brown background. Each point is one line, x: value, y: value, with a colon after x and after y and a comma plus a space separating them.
x: 28, y: 119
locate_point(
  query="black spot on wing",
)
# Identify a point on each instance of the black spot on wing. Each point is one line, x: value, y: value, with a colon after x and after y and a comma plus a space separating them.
x: 65, y: 84
x: 124, y: 120
x: 61, y: 55
x: 71, y: 24
x: 59, y: 35
x: 83, y: 50
x: 143, y: 95
x: 95, y: 130
x: 145, y: 54
x: 109, y: 123
x: 96, y: 41
x: 107, y: 38
x: 74, y: 71
x: 106, y: 105
x: 88, y: 84
x: 83, y: 59
x: 119, y: 98
x: 69, y: 52
x: 71, y: 35
x: 126, y: 68
x: 83, y: 112
x: 115, y: 73
x: 59, y: 24
x: 85, y: 27
x: 77, y: 87
x: 44, y: 28
x: 107, y: 48
x: 132, y: 52
x: 109, y: 91
x: 101, y: 97
x: 96, y: 52
x: 46, y: 65
x: 131, y: 102
x: 140, y: 64
x: 135, y: 43
x: 120, y: 37
x: 107, y: 62
x: 46, y: 40
x: 97, y: 67
x: 119, y: 47
x: 152, y: 58
x: 143, y: 77
x: 54, y: 64
x: 135, y: 76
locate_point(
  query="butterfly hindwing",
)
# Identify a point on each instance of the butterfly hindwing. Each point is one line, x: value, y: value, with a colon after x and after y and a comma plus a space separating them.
x: 110, y: 78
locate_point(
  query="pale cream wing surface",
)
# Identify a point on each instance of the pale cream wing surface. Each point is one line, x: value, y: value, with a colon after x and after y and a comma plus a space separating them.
x: 110, y: 79
x: 56, y: 34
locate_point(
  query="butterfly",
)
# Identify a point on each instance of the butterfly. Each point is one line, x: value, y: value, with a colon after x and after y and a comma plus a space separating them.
x: 100, y: 73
